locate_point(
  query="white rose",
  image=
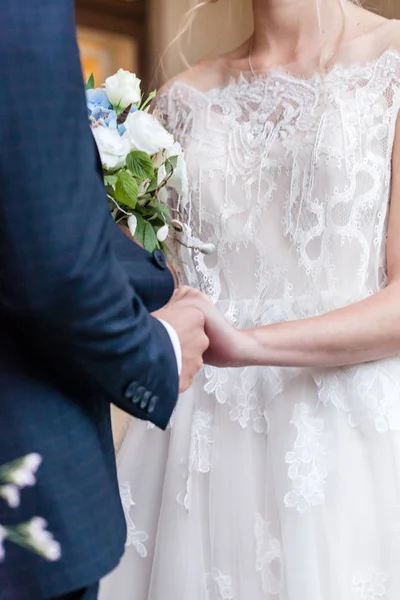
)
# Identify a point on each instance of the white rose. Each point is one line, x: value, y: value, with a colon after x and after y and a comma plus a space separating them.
x: 123, y: 89
x: 112, y: 147
x: 146, y: 133
x: 179, y: 177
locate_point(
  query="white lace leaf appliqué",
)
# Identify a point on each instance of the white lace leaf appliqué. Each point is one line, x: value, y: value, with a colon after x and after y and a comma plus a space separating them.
x: 268, y: 557
x: 309, y: 461
x: 135, y: 537
x: 370, y: 584
x: 218, y: 586
x: 369, y: 397
x: 201, y: 442
x: 199, y: 460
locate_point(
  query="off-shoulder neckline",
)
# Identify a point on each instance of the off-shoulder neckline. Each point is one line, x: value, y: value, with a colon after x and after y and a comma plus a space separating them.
x: 315, y: 80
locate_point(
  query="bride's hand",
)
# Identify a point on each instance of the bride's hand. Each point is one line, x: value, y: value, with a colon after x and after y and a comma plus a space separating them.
x: 229, y: 347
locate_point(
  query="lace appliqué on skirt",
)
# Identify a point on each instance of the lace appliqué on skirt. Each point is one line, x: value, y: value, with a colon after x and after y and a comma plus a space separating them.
x: 135, y: 537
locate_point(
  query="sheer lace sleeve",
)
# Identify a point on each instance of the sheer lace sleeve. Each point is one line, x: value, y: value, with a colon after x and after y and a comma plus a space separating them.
x: 174, y: 113
x: 170, y: 112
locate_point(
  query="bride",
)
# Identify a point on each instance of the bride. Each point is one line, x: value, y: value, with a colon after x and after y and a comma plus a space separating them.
x: 281, y: 481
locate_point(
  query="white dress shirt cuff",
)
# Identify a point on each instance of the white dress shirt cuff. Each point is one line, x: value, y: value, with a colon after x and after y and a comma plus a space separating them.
x: 175, y: 343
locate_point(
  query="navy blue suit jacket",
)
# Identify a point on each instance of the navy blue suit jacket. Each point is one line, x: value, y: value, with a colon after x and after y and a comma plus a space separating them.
x: 75, y: 296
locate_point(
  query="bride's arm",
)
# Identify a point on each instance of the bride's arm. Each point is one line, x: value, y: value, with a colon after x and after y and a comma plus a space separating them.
x: 365, y: 331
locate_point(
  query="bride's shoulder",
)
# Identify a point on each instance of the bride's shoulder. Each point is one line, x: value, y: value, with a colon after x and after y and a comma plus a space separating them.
x: 201, y: 77
x: 178, y: 95
x: 208, y: 74
x: 393, y: 34
x: 368, y: 38
x: 374, y: 32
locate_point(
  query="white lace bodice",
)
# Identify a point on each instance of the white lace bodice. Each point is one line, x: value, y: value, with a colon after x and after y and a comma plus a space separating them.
x: 290, y: 179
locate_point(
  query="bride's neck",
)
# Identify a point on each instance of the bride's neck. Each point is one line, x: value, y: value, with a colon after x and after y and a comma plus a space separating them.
x: 289, y: 29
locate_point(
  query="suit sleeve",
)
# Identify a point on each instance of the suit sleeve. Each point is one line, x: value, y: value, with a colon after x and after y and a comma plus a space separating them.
x: 58, y: 270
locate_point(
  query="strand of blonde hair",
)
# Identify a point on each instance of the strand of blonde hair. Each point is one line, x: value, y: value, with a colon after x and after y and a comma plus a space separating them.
x: 186, y: 26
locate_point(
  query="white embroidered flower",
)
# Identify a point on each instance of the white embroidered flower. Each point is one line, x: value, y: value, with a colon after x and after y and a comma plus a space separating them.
x: 41, y: 540
x: 10, y: 493
x: 3, y: 535
x: 24, y: 474
x: 123, y: 89
x: 33, y: 461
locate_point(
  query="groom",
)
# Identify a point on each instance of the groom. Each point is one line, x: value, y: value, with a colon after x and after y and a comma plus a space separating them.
x: 76, y: 331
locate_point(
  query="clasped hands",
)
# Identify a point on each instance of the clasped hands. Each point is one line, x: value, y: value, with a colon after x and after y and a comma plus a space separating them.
x: 205, y: 335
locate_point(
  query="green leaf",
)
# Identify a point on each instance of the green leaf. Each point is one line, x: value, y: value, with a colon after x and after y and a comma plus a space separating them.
x: 157, y: 210
x: 150, y: 241
x: 90, y: 83
x: 140, y: 228
x: 162, y: 209
x: 156, y: 222
x: 153, y: 184
x: 140, y: 165
x: 126, y: 189
x: 170, y: 164
x: 150, y: 97
x: 110, y: 180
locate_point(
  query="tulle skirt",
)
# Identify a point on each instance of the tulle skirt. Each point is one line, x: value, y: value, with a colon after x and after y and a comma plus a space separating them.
x: 270, y: 484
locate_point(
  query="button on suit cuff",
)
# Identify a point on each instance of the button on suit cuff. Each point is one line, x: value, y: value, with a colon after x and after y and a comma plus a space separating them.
x: 175, y: 343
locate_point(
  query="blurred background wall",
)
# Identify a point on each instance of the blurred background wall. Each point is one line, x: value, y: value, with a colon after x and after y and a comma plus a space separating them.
x: 134, y: 34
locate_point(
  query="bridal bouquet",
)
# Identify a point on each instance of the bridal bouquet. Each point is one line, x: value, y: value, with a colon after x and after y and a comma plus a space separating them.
x: 139, y: 157
x: 33, y: 535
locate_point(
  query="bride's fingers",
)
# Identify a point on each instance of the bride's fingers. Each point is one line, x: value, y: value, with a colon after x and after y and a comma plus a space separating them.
x: 214, y: 318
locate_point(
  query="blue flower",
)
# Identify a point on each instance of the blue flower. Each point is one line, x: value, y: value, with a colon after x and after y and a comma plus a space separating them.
x: 108, y: 118
x: 111, y: 120
x: 105, y: 117
x: 99, y: 108
x: 97, y: 97
x: 101, y: 112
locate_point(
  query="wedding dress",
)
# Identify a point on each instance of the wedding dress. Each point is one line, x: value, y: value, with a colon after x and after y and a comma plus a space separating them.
x: 278, y: 483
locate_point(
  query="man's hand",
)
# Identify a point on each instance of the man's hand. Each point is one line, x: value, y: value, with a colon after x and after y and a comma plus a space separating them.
x: 228, y: 346
x: 188, y: 322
